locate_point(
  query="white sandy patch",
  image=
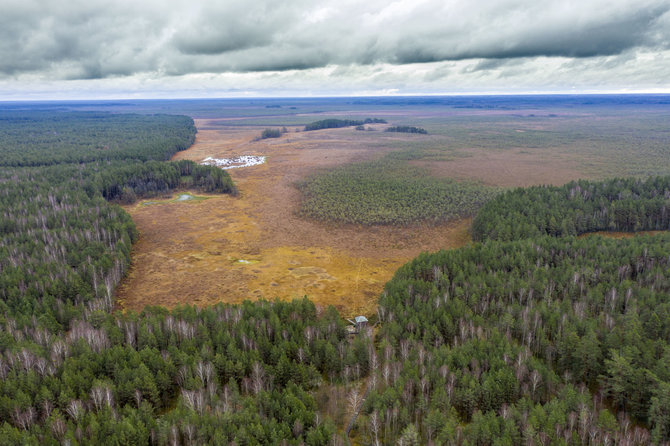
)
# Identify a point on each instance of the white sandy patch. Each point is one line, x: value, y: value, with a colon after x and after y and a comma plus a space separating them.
x: 234, y: 163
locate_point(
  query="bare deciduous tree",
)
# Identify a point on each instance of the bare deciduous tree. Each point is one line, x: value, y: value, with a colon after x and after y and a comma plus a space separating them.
x: 375, y: 424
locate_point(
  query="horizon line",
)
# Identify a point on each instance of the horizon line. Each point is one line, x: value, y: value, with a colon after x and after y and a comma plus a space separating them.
x: 352, y: 95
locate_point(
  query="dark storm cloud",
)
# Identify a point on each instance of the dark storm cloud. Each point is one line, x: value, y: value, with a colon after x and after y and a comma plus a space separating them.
x: 598, y: 40
x: 100, y: 39
x: 231, y: 26
x: 76, y: 39
x: 224, y: 41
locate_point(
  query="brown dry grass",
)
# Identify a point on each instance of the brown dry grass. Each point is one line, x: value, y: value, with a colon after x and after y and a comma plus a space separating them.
x: 508, y: 168
x: 188, y: 251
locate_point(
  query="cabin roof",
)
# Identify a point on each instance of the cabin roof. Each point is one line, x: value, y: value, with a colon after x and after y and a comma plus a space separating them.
x: 360, y: 319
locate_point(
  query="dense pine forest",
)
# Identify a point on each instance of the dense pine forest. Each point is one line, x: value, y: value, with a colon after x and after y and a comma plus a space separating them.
x: 225, y: 374
x: 333, y: 123
x: 64, y: 246
x: 528, y: 336
x: 621, y: 204
x: 406, y: 129
x: 388, y: 192
x: 538, y: 340
x: 38, y: 138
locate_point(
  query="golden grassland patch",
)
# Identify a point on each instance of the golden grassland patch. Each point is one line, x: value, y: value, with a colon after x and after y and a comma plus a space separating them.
x: 213, y: 251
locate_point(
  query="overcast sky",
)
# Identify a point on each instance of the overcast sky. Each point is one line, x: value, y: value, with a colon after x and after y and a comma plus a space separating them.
x: 171, y: 48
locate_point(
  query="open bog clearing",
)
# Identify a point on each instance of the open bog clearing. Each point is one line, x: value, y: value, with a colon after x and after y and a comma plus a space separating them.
x: 227, y: 249
x: 254, y: 245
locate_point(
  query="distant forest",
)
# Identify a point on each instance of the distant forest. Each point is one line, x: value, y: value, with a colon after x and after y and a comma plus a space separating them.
x: 338, y: 123
x: 528, y: 336
x: 407, y: 129
x: 39, y: 138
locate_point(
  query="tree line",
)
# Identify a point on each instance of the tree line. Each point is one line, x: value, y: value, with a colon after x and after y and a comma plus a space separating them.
x: 64, y: 245
x: 339, y: 123
x: 273, y: 133
x: 619, y: 204
x: 407, y: 129
x: 40, y: 138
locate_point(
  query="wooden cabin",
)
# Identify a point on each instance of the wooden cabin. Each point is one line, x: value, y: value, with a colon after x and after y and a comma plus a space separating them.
x: 359, y: 323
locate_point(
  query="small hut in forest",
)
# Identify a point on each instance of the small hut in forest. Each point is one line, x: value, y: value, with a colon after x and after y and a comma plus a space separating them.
x: 358, y: 324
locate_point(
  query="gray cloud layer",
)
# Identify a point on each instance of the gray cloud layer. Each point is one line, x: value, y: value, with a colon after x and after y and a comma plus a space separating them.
x: 90, y: 39
x: 93, y: 39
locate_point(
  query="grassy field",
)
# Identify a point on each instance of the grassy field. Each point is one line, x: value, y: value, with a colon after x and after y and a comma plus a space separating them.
x: 601, y: 143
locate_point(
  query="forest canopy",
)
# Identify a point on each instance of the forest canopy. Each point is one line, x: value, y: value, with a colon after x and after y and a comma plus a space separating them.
x: 533, y: 335
x: 620, y: 204
x: 406, y: 129
x: 64, y: 246
x: 339, y: 123
x: 545, y: 340
x: 388, y: 193
x: 38, y: 138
